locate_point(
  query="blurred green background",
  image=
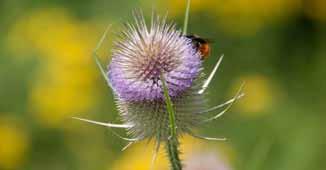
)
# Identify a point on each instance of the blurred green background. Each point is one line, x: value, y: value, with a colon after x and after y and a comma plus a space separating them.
x: 278, y: 47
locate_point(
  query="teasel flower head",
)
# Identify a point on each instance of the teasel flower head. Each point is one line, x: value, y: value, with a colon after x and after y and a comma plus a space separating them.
x: 141, y: 57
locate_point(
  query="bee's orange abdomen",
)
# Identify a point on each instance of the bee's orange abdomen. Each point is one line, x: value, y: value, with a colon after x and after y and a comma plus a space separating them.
x: 204, y: 50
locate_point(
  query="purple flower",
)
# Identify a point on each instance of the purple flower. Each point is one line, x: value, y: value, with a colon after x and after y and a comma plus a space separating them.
x: 140, y: 58
x: 143, y: 55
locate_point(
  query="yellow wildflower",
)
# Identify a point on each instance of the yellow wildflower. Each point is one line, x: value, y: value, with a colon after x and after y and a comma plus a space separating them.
x: 64, y: 82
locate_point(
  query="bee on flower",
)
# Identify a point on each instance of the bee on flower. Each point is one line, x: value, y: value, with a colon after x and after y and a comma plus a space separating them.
x: 147, y: 58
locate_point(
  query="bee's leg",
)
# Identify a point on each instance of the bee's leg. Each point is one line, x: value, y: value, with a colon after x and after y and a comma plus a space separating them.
x: 96, y: 57
x: 210, y: 77
x: 228, y: 107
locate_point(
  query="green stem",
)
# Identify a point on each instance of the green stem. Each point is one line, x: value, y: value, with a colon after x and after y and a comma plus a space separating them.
x: 173, y: 152
x: 185, y: 24
x: 172, y: 142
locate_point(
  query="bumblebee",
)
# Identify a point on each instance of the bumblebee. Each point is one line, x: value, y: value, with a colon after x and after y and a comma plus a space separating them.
x: 202, y: 45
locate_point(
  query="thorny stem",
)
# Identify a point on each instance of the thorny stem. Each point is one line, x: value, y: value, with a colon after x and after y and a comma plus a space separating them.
x: 185, y: 24
x: 172, y: 149
x: 172, y: 142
